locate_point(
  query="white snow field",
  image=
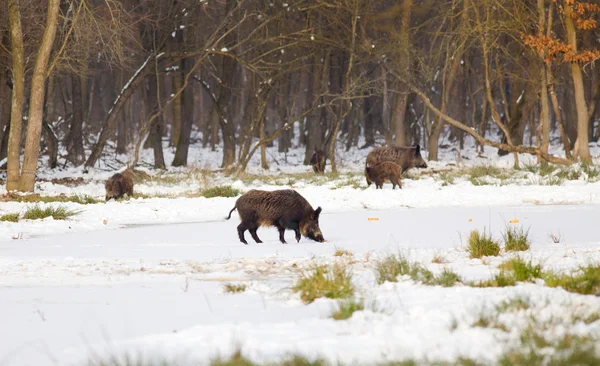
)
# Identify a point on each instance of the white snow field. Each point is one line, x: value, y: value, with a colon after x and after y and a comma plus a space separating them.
x: 143, y: 279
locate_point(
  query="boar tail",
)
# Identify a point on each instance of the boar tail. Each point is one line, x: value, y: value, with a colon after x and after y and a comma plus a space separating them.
x: 233, y: 209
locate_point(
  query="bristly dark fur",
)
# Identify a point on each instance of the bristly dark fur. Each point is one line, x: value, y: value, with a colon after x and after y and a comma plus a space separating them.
x: 319, y: 161
x: 284, y: 209
x: 382, y: 171
x: 406, y: 157
x: 119, y: 185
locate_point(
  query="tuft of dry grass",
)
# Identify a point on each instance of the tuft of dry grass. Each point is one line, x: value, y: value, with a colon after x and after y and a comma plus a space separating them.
x: 233, y: 288
x: 482, y: 245
x: 333, y: 282
x: 10, y: 217
x: 340, y: 252
x: 58, y: 213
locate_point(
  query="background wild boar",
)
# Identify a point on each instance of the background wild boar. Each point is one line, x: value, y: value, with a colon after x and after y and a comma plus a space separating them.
x: 382, y: 171
x: 119, y: 185
x: 319, y: 161
x: 284, y: 209
x: 406, y: 157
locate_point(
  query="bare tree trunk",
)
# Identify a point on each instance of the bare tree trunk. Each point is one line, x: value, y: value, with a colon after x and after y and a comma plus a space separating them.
x: 399, y: 114
x: 582, y: 144
x: 346, y: 104
x: 454, y: 58
x: 36, y: 100
x: 177, y: 108
x: 4, y: 117
x: 75, y: 147
x: 369, y: 123
x: 113, y: 114
x: 545, y: 108
x: 155, y: 136
x: 186, y: 117
x: 18, y: 96
x: 263, y: 150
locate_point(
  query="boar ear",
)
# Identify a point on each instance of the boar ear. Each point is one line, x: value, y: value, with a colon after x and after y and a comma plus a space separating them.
x: 417, y: 149
x: 317, y: 213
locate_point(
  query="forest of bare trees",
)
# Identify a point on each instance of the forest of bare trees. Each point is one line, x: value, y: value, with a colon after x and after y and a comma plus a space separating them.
x: 82, y: 80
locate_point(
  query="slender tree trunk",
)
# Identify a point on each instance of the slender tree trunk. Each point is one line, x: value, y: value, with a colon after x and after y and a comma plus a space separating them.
x: 155, y: 136
x: 186, y: 116
x: 75, y: 147
x: 545, y: 108
x: 399, y: 114
x: 36, y: 100
x: 582, y: 150
x: 4, y: 118
x: 176, y: 77
x: 18, y: 96
x: 263, y: 150
x: 113, y: 114
x: 346, y: 104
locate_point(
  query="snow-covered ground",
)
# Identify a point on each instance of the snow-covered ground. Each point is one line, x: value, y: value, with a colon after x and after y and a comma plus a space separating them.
x: 144, y: 277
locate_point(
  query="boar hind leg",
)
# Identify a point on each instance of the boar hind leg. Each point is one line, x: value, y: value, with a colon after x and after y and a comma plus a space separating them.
x: 281, y: 230
x: 241, y: 228
x: 254, y: 236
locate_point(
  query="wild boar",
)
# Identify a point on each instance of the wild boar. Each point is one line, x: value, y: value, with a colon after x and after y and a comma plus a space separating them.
x: 406, y: 157
x: 119, y: 184
x: 382, y: 171
x: 319, y: 161
x: 284, y: 209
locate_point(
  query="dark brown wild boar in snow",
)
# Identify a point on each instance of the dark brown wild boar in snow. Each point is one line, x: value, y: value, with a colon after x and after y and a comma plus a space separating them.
x: 119, y: 184
x: 319, y: 161
x: 382, y: 171
x: 284, y: 209
x: 406, y: 157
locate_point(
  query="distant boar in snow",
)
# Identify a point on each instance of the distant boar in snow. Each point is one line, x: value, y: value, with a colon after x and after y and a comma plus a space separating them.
x: 406, y: 157
x: 284, y: 209
x: 382, y: 171
x: 119, y: 185
x: 319, y: 161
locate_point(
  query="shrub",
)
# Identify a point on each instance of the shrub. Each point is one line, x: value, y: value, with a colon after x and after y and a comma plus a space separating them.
x: 482, y: 245
x: 323, y: 281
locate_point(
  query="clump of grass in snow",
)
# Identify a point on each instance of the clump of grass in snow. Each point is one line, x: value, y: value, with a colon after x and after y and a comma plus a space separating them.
x: 393, y: 266
x: 10, y: 217
x: 516, y: 303
x: 82, y: 199
x: 482, y: 245
x: 567, y: 349
x: 584, y: 281
x: 347, y: 308
x: 516, y: 239
x: 220, y: 191
x: 439, y: 259
x: 512, y: 271
x: 237, y: 359
x: 340, y: 252
x: 234, y: 288
x: 521, y: 270
x: 57, y: 213
x: 333, y: 282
